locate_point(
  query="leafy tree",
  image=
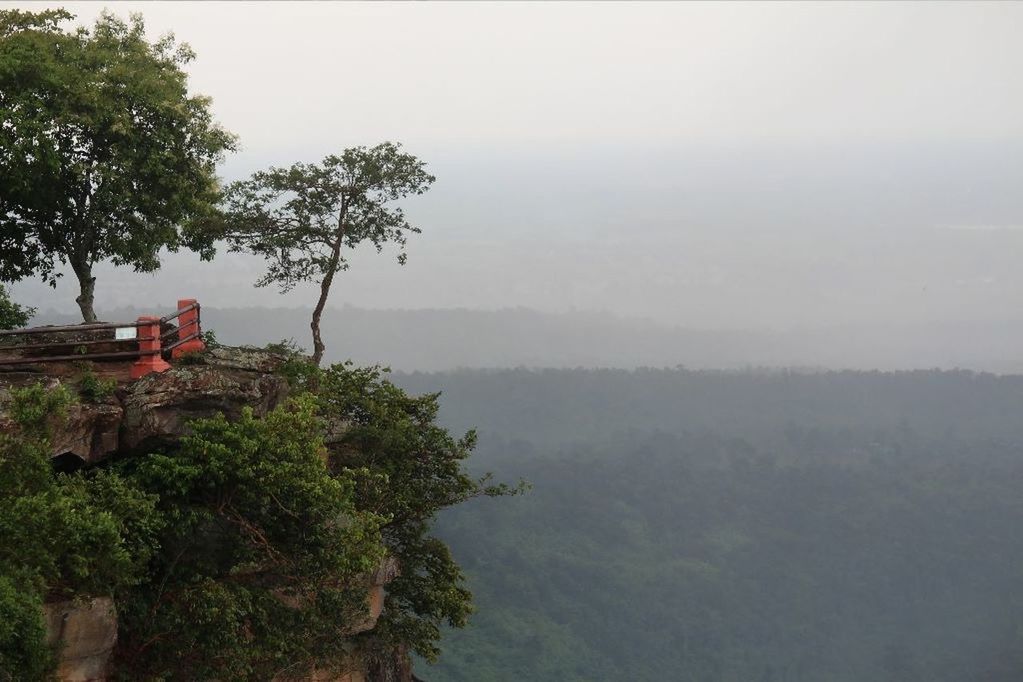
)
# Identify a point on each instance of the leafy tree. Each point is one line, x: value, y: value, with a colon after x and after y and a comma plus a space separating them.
x: 421, y: 472
x: 13, y: 315
x: 60, y: 536
x: 23, y: 651
x: 258, y: 576
x: 104, y: 155
x: 302, y: 218
x: 241, y: 551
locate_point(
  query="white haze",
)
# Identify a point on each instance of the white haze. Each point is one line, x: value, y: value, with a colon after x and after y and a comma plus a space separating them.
x: 715, y: 166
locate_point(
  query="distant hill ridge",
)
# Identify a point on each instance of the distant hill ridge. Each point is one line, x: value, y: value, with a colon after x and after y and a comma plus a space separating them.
x: 441, y: 339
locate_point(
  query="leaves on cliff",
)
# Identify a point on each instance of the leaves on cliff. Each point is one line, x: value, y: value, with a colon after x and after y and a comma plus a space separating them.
x: 418, y: 471
x: 263, y: 561
x: 60, y: 536
x: 244, y: 550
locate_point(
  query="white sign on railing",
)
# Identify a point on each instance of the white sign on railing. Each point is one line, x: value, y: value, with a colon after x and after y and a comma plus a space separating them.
x: 125, y: 333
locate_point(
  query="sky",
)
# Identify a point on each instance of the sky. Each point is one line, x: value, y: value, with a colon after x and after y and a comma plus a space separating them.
x: 715, y: 166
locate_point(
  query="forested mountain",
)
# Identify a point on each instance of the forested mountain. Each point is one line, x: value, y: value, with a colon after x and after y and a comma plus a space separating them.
x: 782, y: 527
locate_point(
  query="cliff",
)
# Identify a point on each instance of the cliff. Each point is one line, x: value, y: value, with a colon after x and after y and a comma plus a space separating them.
x: 133, y: 417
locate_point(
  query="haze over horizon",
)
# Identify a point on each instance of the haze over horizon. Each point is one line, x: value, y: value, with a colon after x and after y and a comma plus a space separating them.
x: 710, y: 166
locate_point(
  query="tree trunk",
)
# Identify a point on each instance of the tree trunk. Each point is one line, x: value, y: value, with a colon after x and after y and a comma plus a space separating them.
x: 328, y: 279
x: 318, y: 346
x: 87, y: 285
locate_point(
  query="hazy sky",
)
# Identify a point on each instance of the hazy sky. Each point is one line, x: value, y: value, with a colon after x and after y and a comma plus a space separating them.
x: 711, y: 165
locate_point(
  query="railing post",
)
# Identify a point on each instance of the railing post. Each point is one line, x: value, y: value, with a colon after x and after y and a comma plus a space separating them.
x: 149, y: 343
x: 188, y: 324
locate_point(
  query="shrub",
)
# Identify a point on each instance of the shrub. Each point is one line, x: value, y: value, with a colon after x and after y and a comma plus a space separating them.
x: 60, y: 536
x: 92, y: 388
x: 262, y: 566
x: 12, y: 315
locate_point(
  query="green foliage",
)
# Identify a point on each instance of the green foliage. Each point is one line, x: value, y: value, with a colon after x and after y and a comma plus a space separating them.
x: 284, y: 347
x: 242, y: 551
x: 198, y: 357
x: 12, y: 315
x: 23, y: 651
x: 418, y: 471
x: 103, y: 152
x: 209, y: 337
x: 34, y: 410
x: 92, y: 388
x: 302, y: 218
x: 740, y: 526
x: 301, y: 373
x: 262, y: 548
x: 192, y: 357
x: 60, y: 536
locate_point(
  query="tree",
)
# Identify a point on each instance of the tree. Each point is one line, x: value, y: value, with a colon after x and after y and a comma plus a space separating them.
x: 104, y: 155
x: 243, y: 549
x: 13, y: 315
x: 261, y: 567
x: 61, y: 536
x: 302, y: 218
x: 397, y: 435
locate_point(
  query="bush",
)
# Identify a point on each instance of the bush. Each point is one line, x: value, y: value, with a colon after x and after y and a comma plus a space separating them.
x: 419, y: 471
x: 209, y: 337
x: 23, y: 651
x: 262, y: 567
x: 92, y: 388
x: 12, y: 315
x: 242, y: 551
x: 60, y: 536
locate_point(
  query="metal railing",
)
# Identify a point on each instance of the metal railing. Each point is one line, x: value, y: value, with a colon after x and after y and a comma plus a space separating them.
x: 191, y: 321
x: 151, y: 344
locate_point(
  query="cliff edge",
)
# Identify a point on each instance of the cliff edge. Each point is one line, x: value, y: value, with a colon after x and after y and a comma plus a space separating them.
x: 128, y: 417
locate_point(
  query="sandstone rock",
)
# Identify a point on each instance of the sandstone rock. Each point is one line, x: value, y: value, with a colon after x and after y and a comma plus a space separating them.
x: 90, y: 430
x: 244, y: 357
x: 375, y: 583
x: 85, y: 635
x: 385, y: 573
x: 158, y: 406
x: 394, y: 666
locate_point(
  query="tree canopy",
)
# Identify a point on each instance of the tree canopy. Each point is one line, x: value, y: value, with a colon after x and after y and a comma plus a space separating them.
x: 104, y: 154
x: 395, y: 434
x: 242, y: 550
x: 13, y: 315
x: 60, y: 536
x: 302, y: 218
x: 258, y: 571
x: 746, y: 526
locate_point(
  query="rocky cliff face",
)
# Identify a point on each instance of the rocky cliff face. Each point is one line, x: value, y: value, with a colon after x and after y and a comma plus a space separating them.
x: 156, y: 408
x: 142, y: 414
x: 86, y: 634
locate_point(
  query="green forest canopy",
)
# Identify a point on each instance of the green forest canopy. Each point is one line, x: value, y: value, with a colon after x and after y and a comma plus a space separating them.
x: 740, y: 526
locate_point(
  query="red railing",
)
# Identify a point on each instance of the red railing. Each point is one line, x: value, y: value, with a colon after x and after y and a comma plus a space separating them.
x: 150, y: 352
